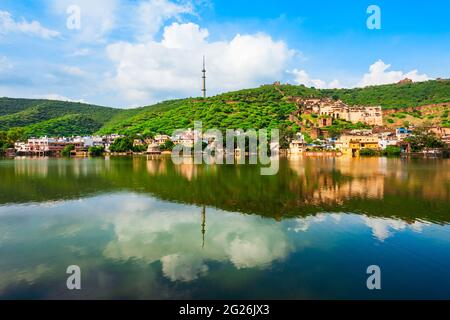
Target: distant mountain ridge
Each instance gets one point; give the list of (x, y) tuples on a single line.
[(268, 106)]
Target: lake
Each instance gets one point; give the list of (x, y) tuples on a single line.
[(144, 228)]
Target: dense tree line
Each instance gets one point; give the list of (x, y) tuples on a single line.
[(8, 138), (422, 139), (395, 95)]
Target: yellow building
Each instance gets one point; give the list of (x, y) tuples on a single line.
[(352, 144)]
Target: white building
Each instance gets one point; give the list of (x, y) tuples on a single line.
[(161, 139), (23, 147), (298, 145), (384, 143)]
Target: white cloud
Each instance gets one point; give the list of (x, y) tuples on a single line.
[(98, 17), (152, 233), (55, 96), (255, 252), (172, 67), (9, 25), (178, 267), (151, 16), (379, 74), (184, 36), (73, 71), (381, 228), (302, 77)]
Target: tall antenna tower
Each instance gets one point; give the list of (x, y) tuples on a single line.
[(204, 78)]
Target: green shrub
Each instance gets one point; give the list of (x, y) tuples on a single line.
[(368, 152), (122, 145), (392, 151), (96, 151), (67, 150), (141, 148), (168, 146)]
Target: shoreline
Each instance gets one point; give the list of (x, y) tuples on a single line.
[(281, 155)]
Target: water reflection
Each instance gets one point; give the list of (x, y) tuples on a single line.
[(412, 189), (105, 234), (385, 228), (172, 237), (149, 229), (139, 229)]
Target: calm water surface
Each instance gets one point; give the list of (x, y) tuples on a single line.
[(144, 228)]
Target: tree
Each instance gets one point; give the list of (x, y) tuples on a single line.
[(167, 146), (147, 134), (141, 148), (67, 150), (3, 142), (15, 134), (422, 139), (96, 151), (286, 136), (122, 145), (392, 151)]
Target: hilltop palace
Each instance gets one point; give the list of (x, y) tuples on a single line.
[(336, 109)]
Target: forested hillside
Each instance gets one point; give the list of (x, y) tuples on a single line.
[(396, 95), (264, 107), (268, 106), (48, 117)]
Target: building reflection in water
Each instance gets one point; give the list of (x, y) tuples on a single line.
[(333, 180), (37, 167), (300, 182), (155, 165)]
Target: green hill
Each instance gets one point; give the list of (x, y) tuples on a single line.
[(396, 95), (268, 106), (10, 105), (129, 117), (69, 125), (48, 117), (253, 108)]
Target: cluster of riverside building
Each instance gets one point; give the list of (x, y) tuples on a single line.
[(317, 114), (350, 143), (53, 146), (354, 141)]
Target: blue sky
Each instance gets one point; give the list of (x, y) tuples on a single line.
[(130, 53)]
